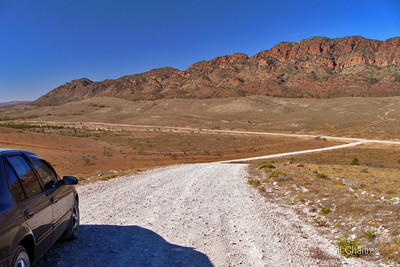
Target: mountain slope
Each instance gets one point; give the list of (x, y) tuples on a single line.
[(317, 67)]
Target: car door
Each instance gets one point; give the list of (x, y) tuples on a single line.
[(61, 196), (35, 204)]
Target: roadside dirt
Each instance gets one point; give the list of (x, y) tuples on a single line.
[(189, 215)]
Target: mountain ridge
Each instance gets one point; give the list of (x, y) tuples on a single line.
[(317, 67)]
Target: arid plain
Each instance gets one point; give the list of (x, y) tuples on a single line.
[(101, 134), (101, 138)]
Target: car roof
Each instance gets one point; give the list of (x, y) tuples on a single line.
[(15, 150)]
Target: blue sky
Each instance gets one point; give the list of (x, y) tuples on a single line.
[(47, 43)]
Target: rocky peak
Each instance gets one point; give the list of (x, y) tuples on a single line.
[(82, 81)]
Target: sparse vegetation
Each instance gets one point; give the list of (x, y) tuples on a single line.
[(329, 203), (322, 176), (369, 234), (373, 182), (354, 162), (254, 182), (276, 174), (80, 178), (349, 248), (325, 210), (320, 222), (266, 166), (108, 177)]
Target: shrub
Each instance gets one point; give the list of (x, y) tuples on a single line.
[(369, 235), (266, 166), (354, 162), (322, 175), (107, 177), (348, 248), (325, 210), (253, 182), (276, 174), (279, 176)]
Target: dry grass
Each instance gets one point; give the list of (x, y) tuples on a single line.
[(376, 118), (364, 209), (314, 182), (86, 149)]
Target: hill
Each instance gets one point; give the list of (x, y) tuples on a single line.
[(13, 103), (317, 67)]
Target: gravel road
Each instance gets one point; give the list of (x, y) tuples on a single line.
[(189, 215)]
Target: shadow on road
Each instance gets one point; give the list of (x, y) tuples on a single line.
[(112, 245)]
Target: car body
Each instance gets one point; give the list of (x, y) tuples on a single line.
[(36, 207)]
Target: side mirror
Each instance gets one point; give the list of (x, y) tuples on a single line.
[(70, 180)]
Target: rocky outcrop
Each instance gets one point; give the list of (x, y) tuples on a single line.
[(317, 67)]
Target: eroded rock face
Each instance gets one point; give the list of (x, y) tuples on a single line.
[(316, 67)]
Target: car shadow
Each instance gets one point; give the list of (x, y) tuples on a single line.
[(113, 245)]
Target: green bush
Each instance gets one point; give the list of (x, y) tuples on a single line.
[(348, 248), (254, 182), (354, 162), (266, 166)]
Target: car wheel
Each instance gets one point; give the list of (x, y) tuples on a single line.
[(73, 227), (20, 258)]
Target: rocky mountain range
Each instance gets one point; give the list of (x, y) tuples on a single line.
[(317, 67)]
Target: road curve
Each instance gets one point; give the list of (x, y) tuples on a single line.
[(297, 152), (188, 215), (345, 139)]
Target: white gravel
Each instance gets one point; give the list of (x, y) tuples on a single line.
[(189, 215)]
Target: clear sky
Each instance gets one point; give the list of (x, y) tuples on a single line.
[(45, 43)]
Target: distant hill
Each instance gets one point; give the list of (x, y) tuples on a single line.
[(317, 67), (13, 103)]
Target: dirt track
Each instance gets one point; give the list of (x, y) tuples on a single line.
[(188, 215)]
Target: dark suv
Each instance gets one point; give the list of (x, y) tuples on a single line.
[(36, 207)]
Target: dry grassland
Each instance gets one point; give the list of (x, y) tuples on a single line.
[(360, 209), (356, 205), (81, 151), (370, 118)]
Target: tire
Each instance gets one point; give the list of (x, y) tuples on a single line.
[(72, 230), (20, 258)]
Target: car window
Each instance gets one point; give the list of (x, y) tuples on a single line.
[(26, 175), (15, 186), (46, 173)]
